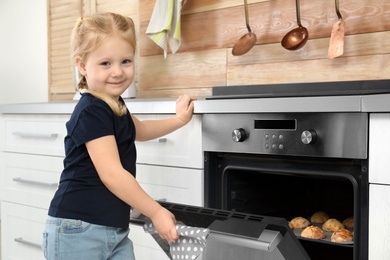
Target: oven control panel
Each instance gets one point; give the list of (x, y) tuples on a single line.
[(339, 135)]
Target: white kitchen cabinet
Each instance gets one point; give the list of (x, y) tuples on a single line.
[(31, 159), (180, 185), (379, 188), (170, 184), (379, 222), (30, 179), (379, 148), (182, 148), (34, 134), (170, 169), (22, 228), (31, 162)]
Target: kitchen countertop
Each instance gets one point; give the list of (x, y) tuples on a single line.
[(357, 103)]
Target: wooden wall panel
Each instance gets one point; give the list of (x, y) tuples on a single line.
[(366, 57), (182, 71), (354, 45), (270, 21), (194, 6), (174, 92), (342, 69), (211, 27), (215, 26)]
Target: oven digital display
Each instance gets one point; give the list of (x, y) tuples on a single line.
[(289, 124)]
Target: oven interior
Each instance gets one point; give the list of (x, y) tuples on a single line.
[(291, 187)]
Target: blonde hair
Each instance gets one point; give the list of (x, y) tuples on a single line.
[(89, 33)]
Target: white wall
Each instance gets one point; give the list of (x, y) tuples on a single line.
[(23, 51)]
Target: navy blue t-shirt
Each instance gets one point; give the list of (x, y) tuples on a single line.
[(81, 194)]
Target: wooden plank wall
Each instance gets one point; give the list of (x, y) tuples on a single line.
[(211, 27)]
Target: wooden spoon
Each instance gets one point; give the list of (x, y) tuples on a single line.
[(248, 40), (336, 44)]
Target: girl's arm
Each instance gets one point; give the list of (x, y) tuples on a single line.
[(105, 157), (152, 129)]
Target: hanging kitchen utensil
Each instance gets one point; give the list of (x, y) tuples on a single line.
[(296, 38), (248, 40), (336, 44)]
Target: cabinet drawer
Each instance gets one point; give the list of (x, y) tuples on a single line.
[(22, 229), (34, 134), (30, 179), (182, 147), (180, 185)]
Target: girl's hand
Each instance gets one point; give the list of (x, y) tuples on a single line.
[(165, 223), (185, 108)]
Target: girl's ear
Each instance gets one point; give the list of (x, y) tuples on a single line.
[(80, 65)]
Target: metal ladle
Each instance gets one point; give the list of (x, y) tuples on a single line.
[(296, 38), (248, 40)]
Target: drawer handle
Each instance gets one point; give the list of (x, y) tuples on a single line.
[(159, 140), (26, 242), (35, 135), (18, 179)]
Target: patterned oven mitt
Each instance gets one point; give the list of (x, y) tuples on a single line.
[(189, 245)]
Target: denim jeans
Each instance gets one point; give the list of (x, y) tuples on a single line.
[(69, 239)]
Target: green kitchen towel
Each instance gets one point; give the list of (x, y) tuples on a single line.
[(164, 26)]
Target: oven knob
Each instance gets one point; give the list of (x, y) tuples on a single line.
[(239, 135), (308, 136)]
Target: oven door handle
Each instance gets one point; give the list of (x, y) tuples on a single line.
[(268, 240)]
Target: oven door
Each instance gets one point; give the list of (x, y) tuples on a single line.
[(234, 235)]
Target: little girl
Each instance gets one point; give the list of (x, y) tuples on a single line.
[(89, 214)]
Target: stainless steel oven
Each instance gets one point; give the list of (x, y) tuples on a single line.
[(264, 169), (285, 165)]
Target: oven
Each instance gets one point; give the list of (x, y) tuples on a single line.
[(261, 170), (287, 165), (264, 167)]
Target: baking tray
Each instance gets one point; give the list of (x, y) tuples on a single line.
[(326, 240)]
